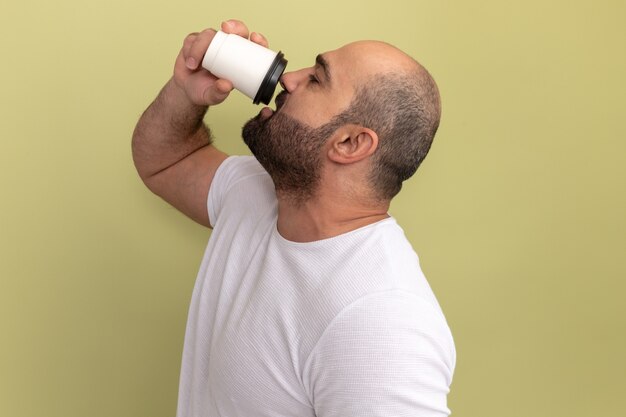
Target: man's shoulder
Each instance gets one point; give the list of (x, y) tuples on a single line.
[(239, 167), (241, 185)]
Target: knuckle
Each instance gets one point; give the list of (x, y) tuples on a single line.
[(189, 39)]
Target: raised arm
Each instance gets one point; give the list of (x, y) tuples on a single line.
[(171, 145)]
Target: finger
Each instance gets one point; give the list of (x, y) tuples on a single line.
[(259, 38), (187, 42), (237, 27), (198, 48)]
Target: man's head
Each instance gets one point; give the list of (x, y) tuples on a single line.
[(365, 113)]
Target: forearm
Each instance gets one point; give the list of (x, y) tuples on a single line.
[(169, 130), (171, 145)]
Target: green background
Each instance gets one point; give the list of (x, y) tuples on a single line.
[(518, 213)]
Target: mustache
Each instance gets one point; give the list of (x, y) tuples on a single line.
[(280, 99)]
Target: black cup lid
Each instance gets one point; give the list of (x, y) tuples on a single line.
[(266, 90)]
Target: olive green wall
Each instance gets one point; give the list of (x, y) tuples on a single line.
[(518, 213)]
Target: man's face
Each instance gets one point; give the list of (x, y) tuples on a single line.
[(289, 141), (318, 93)]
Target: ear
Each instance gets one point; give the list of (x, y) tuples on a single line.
[(352, 143)]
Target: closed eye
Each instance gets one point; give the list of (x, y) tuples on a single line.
[(313, 79)]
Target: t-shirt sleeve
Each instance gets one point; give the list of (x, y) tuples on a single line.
[(233, 176), (388, 354)]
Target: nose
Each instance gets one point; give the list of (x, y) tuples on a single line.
[(291, 80)]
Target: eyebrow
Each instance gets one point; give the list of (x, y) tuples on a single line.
[(321, 61)]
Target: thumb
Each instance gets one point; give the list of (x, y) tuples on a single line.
[(218, 92)]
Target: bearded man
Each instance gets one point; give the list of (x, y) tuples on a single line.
[(309, 301)]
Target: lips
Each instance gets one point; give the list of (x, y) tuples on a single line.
[(267, 112), (280, 99)]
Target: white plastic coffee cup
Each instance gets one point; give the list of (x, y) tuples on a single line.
[(253, 69)]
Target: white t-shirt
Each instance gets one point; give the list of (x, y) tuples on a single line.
[(346, 326)]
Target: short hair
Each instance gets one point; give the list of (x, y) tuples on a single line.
[(404, 110)]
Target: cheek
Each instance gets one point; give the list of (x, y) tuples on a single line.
[(313, 113)]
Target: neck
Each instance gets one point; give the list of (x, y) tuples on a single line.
[(325, 216)]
